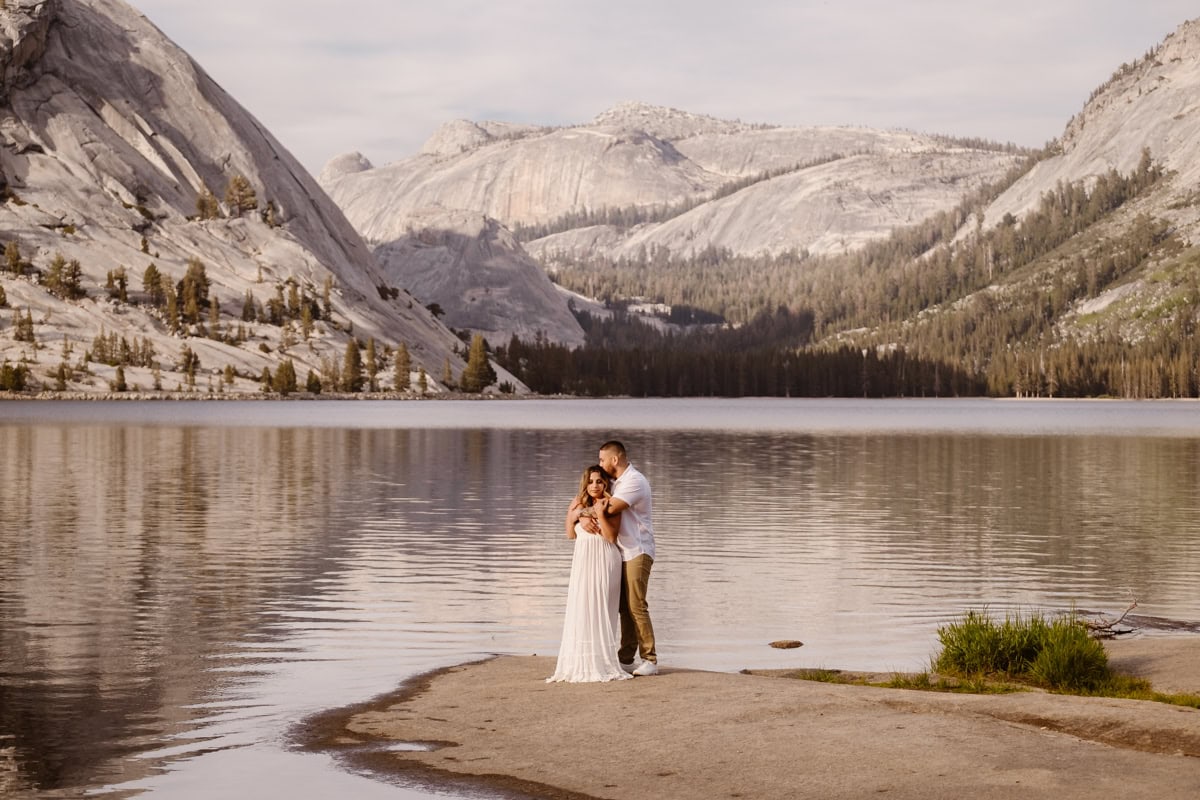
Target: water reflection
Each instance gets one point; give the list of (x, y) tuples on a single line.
[(171, 594)]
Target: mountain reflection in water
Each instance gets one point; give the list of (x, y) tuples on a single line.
[(176, 591)]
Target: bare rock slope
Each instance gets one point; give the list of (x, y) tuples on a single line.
[(480, 277), (814, 188), (109, 134), (1150, 104)]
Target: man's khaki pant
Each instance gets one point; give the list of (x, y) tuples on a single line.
[(637, 633)]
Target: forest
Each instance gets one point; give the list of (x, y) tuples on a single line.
[(927, 312)]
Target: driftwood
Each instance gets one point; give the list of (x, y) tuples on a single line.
[(1103, 628)]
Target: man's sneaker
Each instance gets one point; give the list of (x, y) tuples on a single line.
[(627, 667), (646, 668)]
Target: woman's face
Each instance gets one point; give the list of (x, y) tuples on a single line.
[(596, 486)]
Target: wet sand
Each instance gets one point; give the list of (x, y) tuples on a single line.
[(496, 725)]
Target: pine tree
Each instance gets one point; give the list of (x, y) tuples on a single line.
[(422, 380), (352, 373), (118, 284), (118, 384), (403, 364), (285, 378), (12, 258), (207, 206), (313, 383), (60, 377), (372, 366), (63, 278), (240, 196), (447, 374), (478, 374), (172, 304), (23, 327), (306, 321), (152, 284), (193, 291)]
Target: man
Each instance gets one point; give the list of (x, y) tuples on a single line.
[(631, 499)]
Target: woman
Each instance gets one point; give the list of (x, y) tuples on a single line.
[(591, 631)]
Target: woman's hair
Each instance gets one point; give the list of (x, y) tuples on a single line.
[(583, 498)]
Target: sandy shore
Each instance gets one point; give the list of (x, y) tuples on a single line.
[(689, 734)]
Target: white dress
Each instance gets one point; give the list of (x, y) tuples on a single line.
[(591, 629)]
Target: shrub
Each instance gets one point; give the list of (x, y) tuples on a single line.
[(1070, 660), (1057, 654)]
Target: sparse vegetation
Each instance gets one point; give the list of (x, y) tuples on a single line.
[(980, 655), (240, 196)]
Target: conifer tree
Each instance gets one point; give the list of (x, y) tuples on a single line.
[(63, 278), (479, 373), (372, 365), (240, 196), (118, 284), (189, 362), (118, 384), (403, 364), (352, 373), (12, 258), (207, 206), (3, 298), (422, 380), (23, 327), (306, 321), (313, 383), (285, 378), (193, 291), (152, 284), (447, 374)]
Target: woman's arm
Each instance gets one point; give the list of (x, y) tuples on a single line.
[(610, 522), (573, 517)]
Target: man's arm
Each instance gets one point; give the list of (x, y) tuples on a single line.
[(616, 505)]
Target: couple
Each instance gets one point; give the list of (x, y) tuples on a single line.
[(614, 549)]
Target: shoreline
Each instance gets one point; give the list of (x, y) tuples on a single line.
[(495, 726)]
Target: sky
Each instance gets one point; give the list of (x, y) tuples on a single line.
[(380, 76)]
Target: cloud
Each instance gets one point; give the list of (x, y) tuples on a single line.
[(380, 77)]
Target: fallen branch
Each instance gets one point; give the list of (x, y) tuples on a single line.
[(1105, 628)]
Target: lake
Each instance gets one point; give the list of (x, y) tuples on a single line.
[(182, 582)]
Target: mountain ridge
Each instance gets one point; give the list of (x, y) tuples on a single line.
[(111, 138)]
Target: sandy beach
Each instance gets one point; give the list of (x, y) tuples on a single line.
[(497, 725)]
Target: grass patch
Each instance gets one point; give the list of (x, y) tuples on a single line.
[(981, 655), (1056, 654)]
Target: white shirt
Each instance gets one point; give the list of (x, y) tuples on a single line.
[(637, 529)]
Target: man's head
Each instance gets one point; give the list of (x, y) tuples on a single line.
[(612, 457)]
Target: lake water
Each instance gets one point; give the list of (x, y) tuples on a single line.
[(181, 583)]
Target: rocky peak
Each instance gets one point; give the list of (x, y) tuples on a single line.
[(345, 164), (1148, 104), (663, 122), (117, 151), (24, 25), (477, 273), (456, 136)]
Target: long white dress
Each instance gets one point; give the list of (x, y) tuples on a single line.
[(591, 628)]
